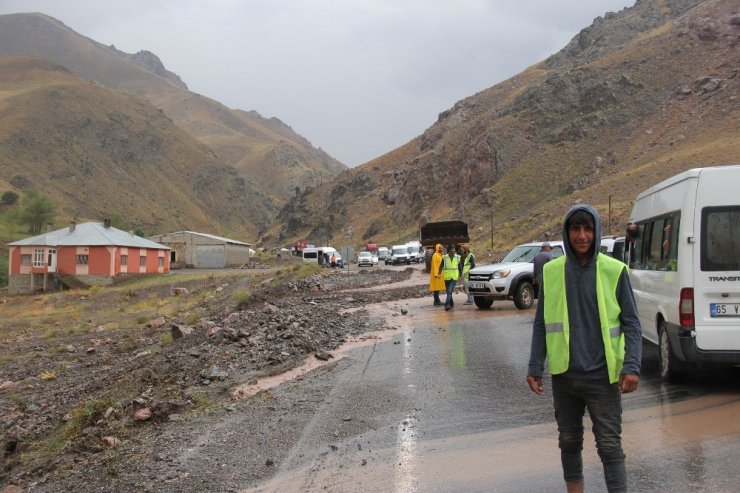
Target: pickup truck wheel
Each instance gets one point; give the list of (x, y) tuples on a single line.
[(524, 296), (483, 302)]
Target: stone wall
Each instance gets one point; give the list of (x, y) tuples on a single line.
[(19, 284)]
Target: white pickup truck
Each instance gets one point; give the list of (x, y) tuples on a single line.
[(510, 279)]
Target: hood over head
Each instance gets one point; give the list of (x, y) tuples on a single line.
[(438, 248), (597, 230)]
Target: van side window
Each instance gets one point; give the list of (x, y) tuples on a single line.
[(638, 259), (656, 244), (655, 250), (720, 238)]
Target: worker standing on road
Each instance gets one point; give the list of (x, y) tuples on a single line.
[(539, 261), (586, 326), (467, 262), (451, 272), (436, 281)]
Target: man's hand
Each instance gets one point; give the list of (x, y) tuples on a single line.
[(628, 382), (535, 384)]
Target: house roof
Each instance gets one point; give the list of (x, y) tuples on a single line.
[(89, 234), (213, 237)]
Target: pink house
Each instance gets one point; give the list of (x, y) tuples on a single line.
[(82, 255)]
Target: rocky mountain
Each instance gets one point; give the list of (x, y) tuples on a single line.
[(266, 153), (634, 98)]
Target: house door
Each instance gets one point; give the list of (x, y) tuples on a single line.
[(52, 260)]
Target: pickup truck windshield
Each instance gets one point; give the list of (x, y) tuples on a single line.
[(522, 254)]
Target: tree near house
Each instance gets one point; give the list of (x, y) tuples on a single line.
[(9, 198), (37, 210)]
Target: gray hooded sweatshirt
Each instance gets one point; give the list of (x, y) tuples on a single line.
[(587, 358)]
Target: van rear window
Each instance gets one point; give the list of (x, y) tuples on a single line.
[(720, 238)]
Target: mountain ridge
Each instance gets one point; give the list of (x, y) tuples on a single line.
[(631, 95), (243, 140)]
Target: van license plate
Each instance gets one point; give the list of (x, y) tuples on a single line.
[(724, 309)]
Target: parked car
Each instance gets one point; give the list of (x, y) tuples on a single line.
[(510, 279), (365, 259)]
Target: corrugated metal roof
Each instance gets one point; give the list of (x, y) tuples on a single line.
[(213, 237), (89, 234)]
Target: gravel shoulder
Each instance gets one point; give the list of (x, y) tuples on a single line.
[(92, 399)]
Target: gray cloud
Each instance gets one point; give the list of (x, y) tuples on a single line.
[(356, 77)]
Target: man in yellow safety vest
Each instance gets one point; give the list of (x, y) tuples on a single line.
[(451, 272), (587, 329)]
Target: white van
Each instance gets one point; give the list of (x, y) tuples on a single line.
[(383, 253), (684, 253), (416, 251), (400, 255), (613, 246), (311, 255)]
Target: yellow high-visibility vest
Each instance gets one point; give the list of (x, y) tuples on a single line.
[(450, 267), (466, 263), (557, 329)]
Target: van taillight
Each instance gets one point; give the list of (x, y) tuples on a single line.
[(686, 307)]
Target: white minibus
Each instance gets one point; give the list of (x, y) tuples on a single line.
[(684, 253), (311, 255)]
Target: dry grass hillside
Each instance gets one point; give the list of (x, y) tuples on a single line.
[(267, 153), (96, 153), (634, 98)]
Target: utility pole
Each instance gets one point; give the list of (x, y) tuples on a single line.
[(491, 230)]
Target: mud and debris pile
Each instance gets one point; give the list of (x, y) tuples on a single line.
[(72, 404)]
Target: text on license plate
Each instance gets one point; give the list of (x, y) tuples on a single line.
[(477, 285), (724, 309)]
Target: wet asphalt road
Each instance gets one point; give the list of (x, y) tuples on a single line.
[(443, 406)]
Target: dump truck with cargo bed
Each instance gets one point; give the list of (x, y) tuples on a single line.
[(444, 233)]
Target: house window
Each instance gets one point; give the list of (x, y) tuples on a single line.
[(26, 259), (161, 261), (142, 261), (82, 259), (38, 257), (124, 260)]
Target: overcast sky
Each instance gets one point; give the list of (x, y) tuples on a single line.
[(357, 78)]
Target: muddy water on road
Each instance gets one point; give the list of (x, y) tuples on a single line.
[(677, 438), (668, 450)]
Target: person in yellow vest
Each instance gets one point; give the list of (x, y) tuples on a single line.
[(467, 262), (436, 280), (587, 329), (450, 270)]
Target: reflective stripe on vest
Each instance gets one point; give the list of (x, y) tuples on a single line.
[(557, 329), (450, 268)]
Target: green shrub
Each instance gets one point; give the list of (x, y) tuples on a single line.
[(239, 297), (85, 415)]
